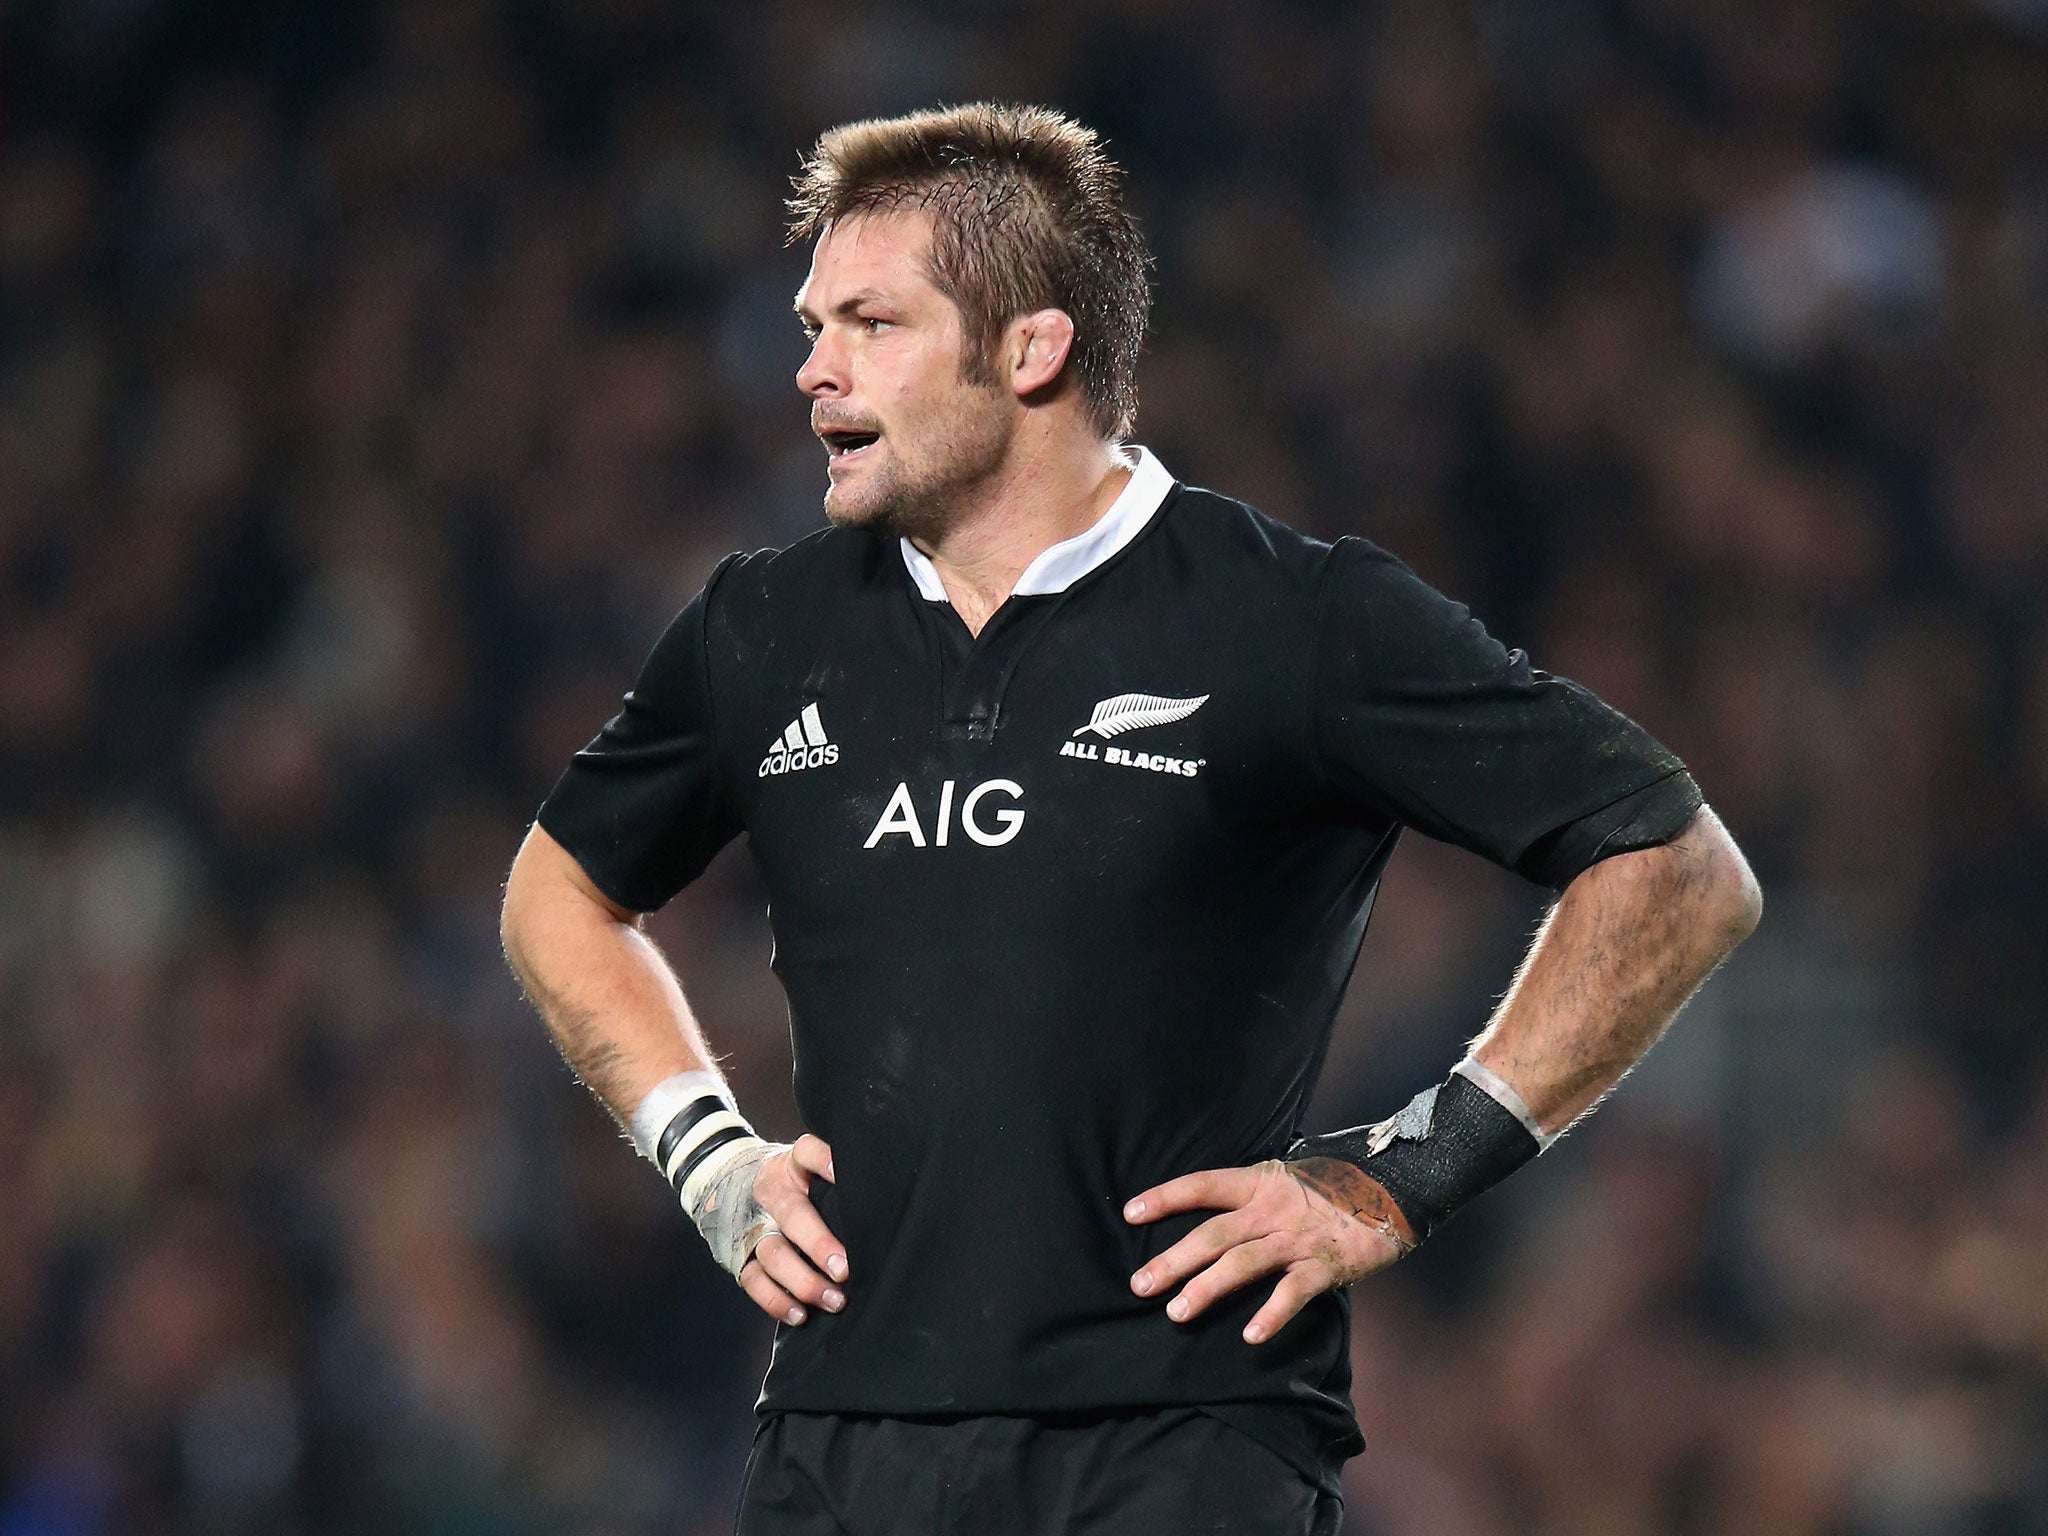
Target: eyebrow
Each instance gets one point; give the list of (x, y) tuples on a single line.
[(845, 309)]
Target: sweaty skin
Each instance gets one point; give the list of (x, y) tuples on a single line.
[(1627, 943), (982, 477)]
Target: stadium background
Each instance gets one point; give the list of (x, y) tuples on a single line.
[(374, 383)]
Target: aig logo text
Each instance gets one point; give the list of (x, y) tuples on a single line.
[(991, 826)]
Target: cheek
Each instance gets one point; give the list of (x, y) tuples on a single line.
[(917, 403), (924, 382)]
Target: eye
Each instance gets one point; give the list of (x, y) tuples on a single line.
[(810, 332), (872, 324)]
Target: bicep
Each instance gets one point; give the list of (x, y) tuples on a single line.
[(545, 870)]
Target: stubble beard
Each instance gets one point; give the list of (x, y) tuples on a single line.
[(926, 503)]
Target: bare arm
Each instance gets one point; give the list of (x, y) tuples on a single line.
[(1627, 943), (618, 1016), (604, 991)]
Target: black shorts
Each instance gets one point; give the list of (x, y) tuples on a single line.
[(1174, 1470)]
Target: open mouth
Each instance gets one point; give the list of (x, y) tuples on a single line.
[(842, 444)]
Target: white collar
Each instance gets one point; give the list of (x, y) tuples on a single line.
[(1066, 562)]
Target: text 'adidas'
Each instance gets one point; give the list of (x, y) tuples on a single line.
[(802, 745)]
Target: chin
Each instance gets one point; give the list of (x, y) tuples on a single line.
[(877, 501), (848, 508), (886, 496)]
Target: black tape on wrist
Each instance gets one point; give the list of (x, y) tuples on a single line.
[(1451, 1143)]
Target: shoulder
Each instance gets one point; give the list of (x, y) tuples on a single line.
[(1352, 585), (1235, 538), (811, 583), (832, 561)]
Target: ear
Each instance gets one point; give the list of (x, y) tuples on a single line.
[(1037, 348)]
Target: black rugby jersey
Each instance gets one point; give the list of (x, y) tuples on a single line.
[(1067, 909)]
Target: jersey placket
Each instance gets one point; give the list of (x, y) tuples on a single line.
[(975, 670)]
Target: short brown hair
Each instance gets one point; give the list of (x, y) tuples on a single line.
[(1027, 213)]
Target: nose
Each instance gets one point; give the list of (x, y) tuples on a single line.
[(823, 375)]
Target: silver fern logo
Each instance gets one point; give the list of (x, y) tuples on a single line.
[(1134, 711)]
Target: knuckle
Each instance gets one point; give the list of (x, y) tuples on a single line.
[(800, 1279), (792, 1266), (798, 1228)]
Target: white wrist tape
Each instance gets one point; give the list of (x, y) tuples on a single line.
[(1497, 1088), (731, 1220), (666, 1099), (689, 1128)]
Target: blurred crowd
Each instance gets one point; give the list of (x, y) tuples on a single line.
[(374, 383)]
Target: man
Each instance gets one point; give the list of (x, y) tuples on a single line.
[(1071, 787)]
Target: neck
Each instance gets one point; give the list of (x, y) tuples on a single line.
[(1037, 500)]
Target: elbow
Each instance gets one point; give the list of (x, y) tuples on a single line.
[(546, 894), (1736, 900), (517, 908), (509, 913), (1709, 886), (1744, 903)]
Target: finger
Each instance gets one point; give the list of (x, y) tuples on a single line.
[(801, 1223), (788, 1269), (1240, 1266), (1203, 1246), (781, 1178), (814, 1156), (768, 1296), (1211, 1189), (1301, 1283)]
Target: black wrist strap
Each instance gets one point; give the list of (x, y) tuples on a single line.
[(1451, 1143)]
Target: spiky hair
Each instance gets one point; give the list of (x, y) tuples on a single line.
[(1027, 214)]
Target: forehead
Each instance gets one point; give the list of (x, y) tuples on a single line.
[(884, 252)]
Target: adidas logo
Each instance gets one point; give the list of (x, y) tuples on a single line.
[(801, 745)]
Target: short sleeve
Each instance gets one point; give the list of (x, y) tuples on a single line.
[(643, 808), (1421, 715)]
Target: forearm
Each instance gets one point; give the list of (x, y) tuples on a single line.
[(1627, 943), (607, 996), (1623, 949), (617, 1014)]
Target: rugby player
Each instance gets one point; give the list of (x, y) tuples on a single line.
[(1071, 787)]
